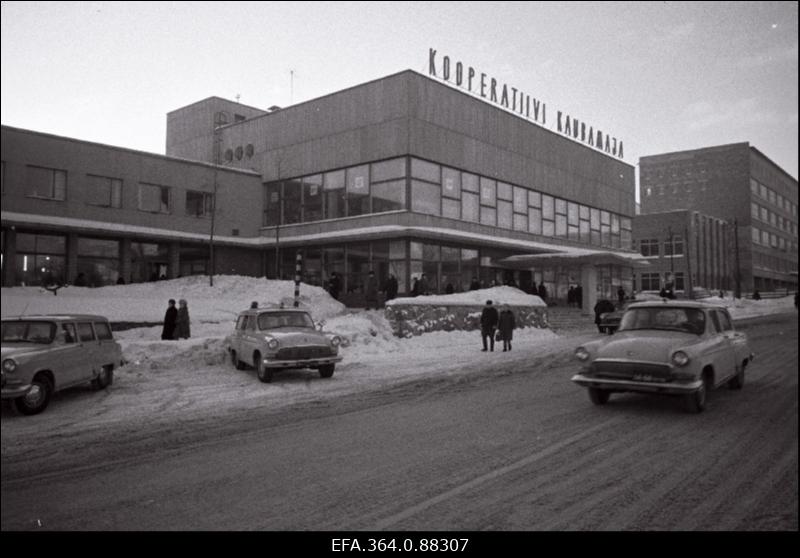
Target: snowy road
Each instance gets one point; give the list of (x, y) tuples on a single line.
[(504, 442)]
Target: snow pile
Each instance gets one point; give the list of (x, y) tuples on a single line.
[(498, 295), (741, 308), (147, 302)]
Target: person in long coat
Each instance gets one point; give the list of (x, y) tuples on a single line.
[(371, 291), (182, 329), (334, 285), (489, 319), (506, 328), (601, 308), (170, 318), (391, 287)]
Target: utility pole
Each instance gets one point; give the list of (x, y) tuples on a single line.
[(738, 276), (671, 256), (688, 262), (216, 148)]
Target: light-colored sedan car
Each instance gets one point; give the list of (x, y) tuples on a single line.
[(275, 339), (670, 347), (45, 354)]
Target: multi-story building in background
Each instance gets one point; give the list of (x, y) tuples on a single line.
[(744, 204)]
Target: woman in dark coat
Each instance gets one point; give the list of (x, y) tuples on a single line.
[(506, 328), (182, 330), (170, 317)]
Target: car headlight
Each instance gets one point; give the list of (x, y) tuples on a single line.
[(680, 358), (9, 365), (335, 341), (581, 354), (272, 344)]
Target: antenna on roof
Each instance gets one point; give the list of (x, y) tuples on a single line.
[(291, 86), (237, 97)]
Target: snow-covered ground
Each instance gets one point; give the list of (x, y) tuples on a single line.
[(191, 374)]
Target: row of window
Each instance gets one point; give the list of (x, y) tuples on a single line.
[(654, 282), (763, 214), (650, 247), (767, 193), (766, 238), (773, 263), (675, 189), (424, 187), (104, 191)]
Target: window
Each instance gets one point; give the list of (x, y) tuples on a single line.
[(154, 198), (425, 171), (648, 247), (388, 170), (451, 208), (389, 196), (504, 191), (333, 190), (650, 282), (425, 197), (104, 191), (358, 190), (272, 204), (535, 221), (292, 201), (470, 207), (520, 200), (103, 331), (85, 331), (451, 183), (676, 248), (504, 214), (312, 198), (46, 183), (754, 213), (488, 192), (199, 204)]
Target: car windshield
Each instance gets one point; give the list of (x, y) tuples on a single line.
[(274, 320), (28, 332), (692, 320)]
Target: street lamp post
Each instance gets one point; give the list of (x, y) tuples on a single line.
[(738, 275)]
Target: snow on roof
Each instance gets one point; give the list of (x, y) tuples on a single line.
[(498, 295)]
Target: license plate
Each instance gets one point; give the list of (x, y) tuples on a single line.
[(646, 378)]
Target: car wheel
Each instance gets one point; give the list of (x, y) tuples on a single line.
[(238, 364), (326, 371), (105, 379), (599, 396), (264, 373), (36, 400), (696, 401), (737, 382)]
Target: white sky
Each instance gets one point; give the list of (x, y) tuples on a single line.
[(660, 76)]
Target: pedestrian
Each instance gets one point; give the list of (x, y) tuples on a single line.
[(80, 280), (371, 291), (170, 318), (601, 308), (506, 327), (334, 285), (424, 288), (449, 289), (663, 292), (579, 296), (474, 285), (120, 280), (570, 296), (391, 287), (182, 324), (542, 291), (489, 319), (756, 295), (254, 305), (621, 296), (415, 287)]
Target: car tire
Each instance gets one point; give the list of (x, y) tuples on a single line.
[(238, 364), (264, 374), (599, 396), (104, 379), (737, 382), (696, 401), (36, 400), (326, 370)]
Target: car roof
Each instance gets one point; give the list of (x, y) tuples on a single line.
[(52, 317), (674, 304), (258, 311)]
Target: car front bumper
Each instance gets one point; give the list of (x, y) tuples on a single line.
[(12, 390), (677, 388), (301, 363)]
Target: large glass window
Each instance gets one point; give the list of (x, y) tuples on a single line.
[(548, 207), (104, 191), (561, 226), (388, 170), (358, 267), (425, 170), (98, 260), (504, 214), (333, 189), (470, 207), (199, 204), (292, 201), (46, 183), (488, 192), (389, 196), (41, 259), (451, 208), (425, 197), (154, 198), (312, 198), (535, 221), (358, 190), (648, 247), (504, 191), (520, 200), (451, 183), (272, 204), (148, 261), (470, 182), (534, 199), (520, 222), (488, 216)]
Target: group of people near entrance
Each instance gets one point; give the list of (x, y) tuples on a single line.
[(496, 325), (176, 321)]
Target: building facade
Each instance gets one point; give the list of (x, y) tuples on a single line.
[(687, 250), (738, 185), (403, 175)]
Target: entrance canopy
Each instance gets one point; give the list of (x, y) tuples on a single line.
[(575, 256)]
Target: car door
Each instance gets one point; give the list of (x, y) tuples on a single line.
[(89, 350), (738, 341), (723, 358), (68, 355), (107, 348), (236, 338), (250, 340)]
